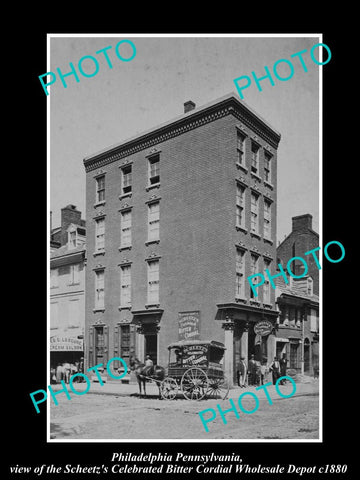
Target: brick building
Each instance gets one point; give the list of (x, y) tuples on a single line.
[(67, 288), (177, 218), (298, 302), (301, 239)]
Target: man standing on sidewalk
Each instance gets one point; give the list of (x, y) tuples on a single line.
[(242, 371)]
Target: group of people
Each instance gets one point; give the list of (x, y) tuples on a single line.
[(256, 372), (65, 370)]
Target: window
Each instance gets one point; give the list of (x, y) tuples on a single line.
[(74, 274), (99, 289), (294, 355), (100, 235), (74, 313), (125, 229), (267, 167), (154, 221), (125, 342), (240, 206), (254, 158), (125, 286), (54, 315), (72, 239), (126, 179), (267, 219), (240, 148), (154, 169), (240, 274), (253, 270), (254, 213), (54, 278), (266, 287), (100, 189), (153, 282)]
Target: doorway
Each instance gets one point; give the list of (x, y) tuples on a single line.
[(306, 355), (150, 346)]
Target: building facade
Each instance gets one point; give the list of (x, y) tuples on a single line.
[(301, 239), (67, 288), (298, 301), (298, 331), (177, 218)]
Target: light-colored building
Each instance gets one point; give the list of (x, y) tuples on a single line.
[(67, 290)]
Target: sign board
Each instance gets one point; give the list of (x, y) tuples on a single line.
[(263, 328), (194, 355), (63, 343), (189, 325)]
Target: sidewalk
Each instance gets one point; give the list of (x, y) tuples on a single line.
[(304, 385)]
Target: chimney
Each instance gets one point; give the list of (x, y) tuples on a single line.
[(188, 106), (69, 214), (302, 222)]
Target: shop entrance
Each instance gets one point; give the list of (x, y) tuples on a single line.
[(150, 346), (306, 355)]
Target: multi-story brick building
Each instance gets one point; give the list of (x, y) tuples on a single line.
[(177, 218), (67, 288)]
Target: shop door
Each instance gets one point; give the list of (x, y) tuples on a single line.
[(151, 346), (306, 356), (99, 345)]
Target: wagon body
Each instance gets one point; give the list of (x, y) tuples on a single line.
[(195, 368)]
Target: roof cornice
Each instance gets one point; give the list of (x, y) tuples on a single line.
[(228, 105)]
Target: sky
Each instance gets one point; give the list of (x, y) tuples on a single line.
[(120, 102)]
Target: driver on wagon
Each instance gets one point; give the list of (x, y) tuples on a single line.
[(149, 366)]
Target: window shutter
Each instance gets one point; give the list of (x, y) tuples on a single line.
[(106, 344), (91, 347), (116, 345)]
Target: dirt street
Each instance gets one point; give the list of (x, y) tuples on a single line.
[(108, 415)]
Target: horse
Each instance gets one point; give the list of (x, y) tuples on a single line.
[(158, 375)]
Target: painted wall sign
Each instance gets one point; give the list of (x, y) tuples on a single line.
[(189, 325)]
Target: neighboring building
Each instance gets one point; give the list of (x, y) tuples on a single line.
[(298, 301), (67, 284), (302, 239), (177, 218), (298, 332)]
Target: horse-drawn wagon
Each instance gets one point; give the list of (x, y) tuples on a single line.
[(195, 370)]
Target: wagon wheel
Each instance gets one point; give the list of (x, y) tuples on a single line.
[(218, 387), (194, 383), (169, 388)]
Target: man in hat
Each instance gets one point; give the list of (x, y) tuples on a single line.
[(241, 373), (252, 370)]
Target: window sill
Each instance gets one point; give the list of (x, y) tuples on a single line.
[(154, 185), (96, 310), (73, 283), (127, 247), (100, 252), (269, 185), (256, 235), (99, 204), (150, 242), (256, 176), (242, 167), (241, 229), (124, 307), (125, 195), (54, 287), (268, 241)]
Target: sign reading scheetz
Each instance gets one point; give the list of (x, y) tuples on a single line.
[(263, 328), (189, 325)]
